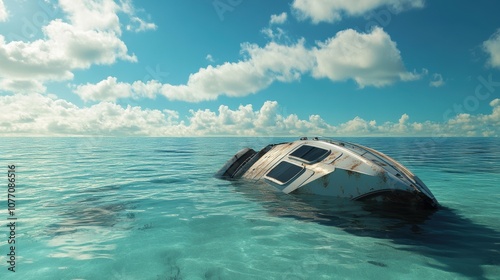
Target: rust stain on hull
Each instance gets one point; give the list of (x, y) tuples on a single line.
[(355, 165)]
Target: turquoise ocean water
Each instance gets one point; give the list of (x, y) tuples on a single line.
[(149, 208)]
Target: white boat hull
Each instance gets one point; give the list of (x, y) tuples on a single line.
[(330, 168)]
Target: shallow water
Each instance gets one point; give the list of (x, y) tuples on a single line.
[(149, 208)]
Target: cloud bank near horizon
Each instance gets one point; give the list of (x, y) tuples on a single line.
[(57, 117)]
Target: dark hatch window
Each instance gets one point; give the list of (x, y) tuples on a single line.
[(284, 172), (309, 153)]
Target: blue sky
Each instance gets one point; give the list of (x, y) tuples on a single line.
[(241, 67)]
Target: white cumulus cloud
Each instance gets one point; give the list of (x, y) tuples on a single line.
[(136, 24), (334, 10), (278, 19), (88, 35), (264, 66), (111, 90), (492, 48), (209, 58), (92, 14), (4, 15), (371, 59), (437, 80)]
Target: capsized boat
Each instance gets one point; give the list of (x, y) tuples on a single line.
[(330, 168)]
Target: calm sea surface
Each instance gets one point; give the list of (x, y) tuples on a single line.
[(149, 208)]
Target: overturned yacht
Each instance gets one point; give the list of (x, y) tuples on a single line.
[(330, 168)]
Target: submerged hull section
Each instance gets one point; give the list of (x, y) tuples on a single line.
[(330, 168)]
